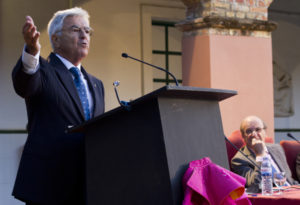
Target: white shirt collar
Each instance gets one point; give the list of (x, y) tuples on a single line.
[(67, 63)]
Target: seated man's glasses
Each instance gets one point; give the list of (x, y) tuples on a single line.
[(251, 130)]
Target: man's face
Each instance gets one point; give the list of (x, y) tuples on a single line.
[(253, 130), (74, 41)]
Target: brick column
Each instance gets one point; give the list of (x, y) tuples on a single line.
[(227, 45)]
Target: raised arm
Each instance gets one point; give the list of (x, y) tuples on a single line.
[(26, 79), (31, 36)]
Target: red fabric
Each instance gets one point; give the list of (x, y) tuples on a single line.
[(237, 139), (289, 197), (291, 149)]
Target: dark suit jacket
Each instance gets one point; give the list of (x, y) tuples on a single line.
[(51, 170), (245, 168)]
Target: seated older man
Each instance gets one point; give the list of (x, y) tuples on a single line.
[(253, 133)]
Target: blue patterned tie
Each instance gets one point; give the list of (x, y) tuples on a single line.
[(81, 92)]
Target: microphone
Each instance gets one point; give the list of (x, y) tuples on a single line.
[(241, 152), (125, 55), (122, 103), (292, 137)]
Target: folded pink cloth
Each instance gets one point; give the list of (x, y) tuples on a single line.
[(207, 183)]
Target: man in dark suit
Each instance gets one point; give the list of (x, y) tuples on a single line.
[(58, 93), (253, 133)]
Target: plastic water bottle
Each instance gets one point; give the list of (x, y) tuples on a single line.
[(266, 177)]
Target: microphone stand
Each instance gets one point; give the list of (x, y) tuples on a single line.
[(125, 55), (124, 104), (241, 152), (292, 137)]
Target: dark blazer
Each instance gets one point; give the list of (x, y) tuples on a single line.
[(51, 169), (245, 168)]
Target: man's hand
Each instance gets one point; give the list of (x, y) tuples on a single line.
[(31, 36), (258, 147)]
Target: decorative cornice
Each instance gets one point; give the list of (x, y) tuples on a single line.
[(226, 23)]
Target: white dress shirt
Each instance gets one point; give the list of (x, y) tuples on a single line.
[(31, 65)]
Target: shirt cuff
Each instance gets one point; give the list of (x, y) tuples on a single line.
[(30, 62)]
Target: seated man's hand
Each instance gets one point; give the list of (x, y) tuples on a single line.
[(258, 147)]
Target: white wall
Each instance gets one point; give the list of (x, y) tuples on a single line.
[(293, 121), (286, 48)]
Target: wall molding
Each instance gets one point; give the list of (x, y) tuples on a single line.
[(13, 131)]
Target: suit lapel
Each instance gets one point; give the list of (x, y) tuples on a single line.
[(276, 156), (250, 155), (279, 159), (67, 80)]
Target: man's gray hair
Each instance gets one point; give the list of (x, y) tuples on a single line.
[(56, 22)]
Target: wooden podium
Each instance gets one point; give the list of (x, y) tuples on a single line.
[(138, 156)]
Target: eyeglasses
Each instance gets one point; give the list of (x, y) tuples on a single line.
[(75, 29), (251, 130)]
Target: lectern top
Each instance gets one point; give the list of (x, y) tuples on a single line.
[(190, 92), (183, 92)]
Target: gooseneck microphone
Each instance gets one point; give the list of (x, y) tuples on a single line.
[(116, 84), (292, 137), (125, 55), (122, 103), (237, 149)]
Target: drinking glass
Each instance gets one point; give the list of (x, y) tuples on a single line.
[(279, 180)]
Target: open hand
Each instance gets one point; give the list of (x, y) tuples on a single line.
[(31, 36)]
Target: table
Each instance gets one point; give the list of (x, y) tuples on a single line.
[(290, 196)]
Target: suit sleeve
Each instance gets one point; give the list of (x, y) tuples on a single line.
[(241, 166), (25, 84)]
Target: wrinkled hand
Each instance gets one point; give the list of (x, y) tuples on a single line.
[(31, 36), (258, 147)]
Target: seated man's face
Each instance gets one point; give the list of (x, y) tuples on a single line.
[(253, 132)]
